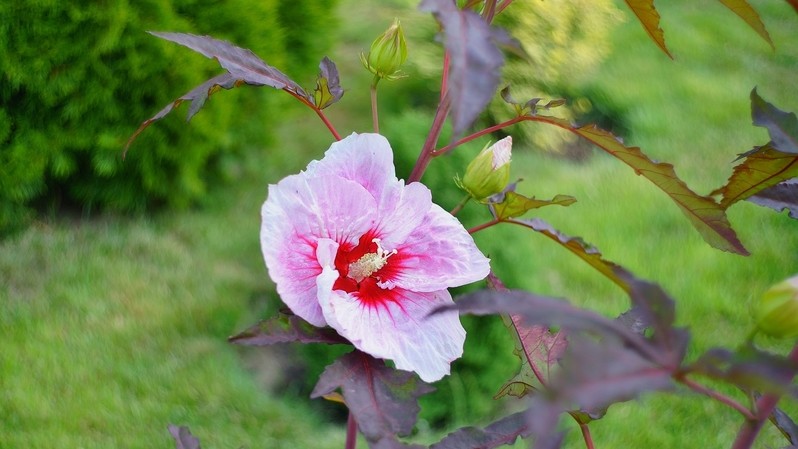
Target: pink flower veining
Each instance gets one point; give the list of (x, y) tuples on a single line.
[(351, 246)]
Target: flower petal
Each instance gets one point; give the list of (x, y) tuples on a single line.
[(401, 212), (439, 254), (366, 159), (299, 211), (401, 330)]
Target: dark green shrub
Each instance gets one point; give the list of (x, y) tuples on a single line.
[(76, 79)]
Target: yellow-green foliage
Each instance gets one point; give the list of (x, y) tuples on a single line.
[(76, 79), (565, 41)]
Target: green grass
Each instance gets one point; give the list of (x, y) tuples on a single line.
[(114, 327)]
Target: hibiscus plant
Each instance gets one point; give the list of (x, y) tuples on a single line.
[(365, 259)]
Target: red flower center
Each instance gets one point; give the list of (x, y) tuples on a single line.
[(363, 267)]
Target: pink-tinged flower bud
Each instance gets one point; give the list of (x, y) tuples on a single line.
[(489, 172), (388, 52), (776, 312)]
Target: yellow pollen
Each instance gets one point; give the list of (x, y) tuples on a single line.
[(369, 263)]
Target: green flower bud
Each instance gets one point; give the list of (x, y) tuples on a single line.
[(388, 52), (489, 172), (776, 312)]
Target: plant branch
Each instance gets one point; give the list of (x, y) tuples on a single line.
[(764, 407), (471, 137), (698, 388), (484, 226), (318, 111), (425, 156), (586, 435), (351, 432)]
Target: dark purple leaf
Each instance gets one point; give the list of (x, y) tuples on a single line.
[(183, 438), (241, 63), (785, 424), (658, 311), (577, 246), (782, 126), (780, 197), (328, 86), (502, 432), (749, 369), (384, 401), (475, 61), (196, 96), (285, 329)]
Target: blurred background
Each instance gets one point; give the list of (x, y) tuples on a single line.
[(120, 280)]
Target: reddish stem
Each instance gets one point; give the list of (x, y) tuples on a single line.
[(374, 112), (318, 111), (695, 386), (466, 139), (351, 432), (425, 156), (445, 76), (764, 407), (586, 435), (484, 225)]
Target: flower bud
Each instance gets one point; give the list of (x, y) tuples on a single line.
[(776, 312), (489, 172), (388, 52)]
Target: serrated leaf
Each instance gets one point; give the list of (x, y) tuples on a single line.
[(748, 368), (384, 401), (785, 424), (183, 437), (540, 350), (760, 169), (197, 96), (746, 12), (779, 197), (521, 108), (576, 245), (502, 432), (649, 18), (475, 61), (286, 329), (512, 204), (328, 86), (782, 126), (241, 63), (706, 215)]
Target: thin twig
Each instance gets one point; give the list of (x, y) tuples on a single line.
[(374, 112), (484, 226), (351, 432), (718, 396)]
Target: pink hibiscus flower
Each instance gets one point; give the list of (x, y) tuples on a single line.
[(351, 246)]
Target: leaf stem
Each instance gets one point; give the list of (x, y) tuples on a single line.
[(374, 112), (318, 111), (716, 395), (471, 137), (484, 225), (351, 432), (327, 123), (586, 435), (764, 407), (460, 205)]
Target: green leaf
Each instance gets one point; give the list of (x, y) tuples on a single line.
[(514, 204), (285, 328), (706, 215), (577, 246), (328, 87), (782, 126), (383, 400), (760, 169), (649, 18), (746, 12)]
